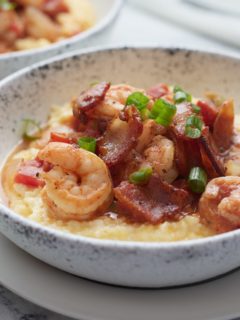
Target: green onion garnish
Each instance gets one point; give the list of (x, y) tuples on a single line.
[(138, 99), (177, 88), (145, 113), (94, 83), (142, 176), (6, 5), (180, 95), (197, 180), (196, 108), (87, 143), (31, 130), (193, 127), (163, 112)]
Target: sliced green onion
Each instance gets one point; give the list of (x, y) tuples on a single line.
[(197, 180), (145, 114), (87, 143), (180, 95), (196, 108), (163, 112), (6, 5), (177, 88), (94, 83), (193, 127), (31, 130), (138, 99), (142, 176)]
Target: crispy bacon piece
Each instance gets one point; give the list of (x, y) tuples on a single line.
[(155, 202), (186, 149), (158, 91), (120, 137), (189, 152), (223, 126), (210, 157), (90, 98), (132, 162), (208, 111)]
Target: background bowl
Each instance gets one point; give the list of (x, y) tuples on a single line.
[(106, 12), (30, 93)]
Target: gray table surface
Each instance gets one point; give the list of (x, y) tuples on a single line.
[(132, 26)]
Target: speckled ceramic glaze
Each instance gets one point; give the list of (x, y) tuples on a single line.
[(31, 92), (106, 12)]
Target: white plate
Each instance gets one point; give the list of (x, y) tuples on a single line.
[(106, 14), (83, 299)]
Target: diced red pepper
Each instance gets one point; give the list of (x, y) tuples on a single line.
[(28, 174), (157, 91), (60, 137), (29, 181), (208, 111)]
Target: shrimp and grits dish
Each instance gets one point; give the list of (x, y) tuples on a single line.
[(127, 163), (29, 24)]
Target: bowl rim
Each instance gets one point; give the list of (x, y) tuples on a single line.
[(69, 237), (95, 29)]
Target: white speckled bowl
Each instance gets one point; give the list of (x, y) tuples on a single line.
[(106, 13), (30, 93)]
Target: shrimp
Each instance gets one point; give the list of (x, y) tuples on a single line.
[(232, 159), (39, 25), (232, 164), (160, 155), (150, 129), (78, 187), (11, 27), (121, 92), (219, 206), (114, 101)]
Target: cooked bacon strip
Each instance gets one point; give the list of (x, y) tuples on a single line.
[(210, 158), (120, 137), (208, 111), (223, 126), (158, 91), (155, 202), (189, 152), (90, 98)]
